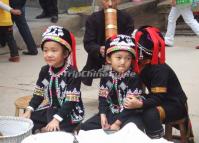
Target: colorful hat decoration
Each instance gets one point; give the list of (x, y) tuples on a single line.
[(120, 43), (150, 42), (63, 37)]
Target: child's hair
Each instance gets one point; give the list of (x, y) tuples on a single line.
[(62, 36), (150, 45), (120, 43)]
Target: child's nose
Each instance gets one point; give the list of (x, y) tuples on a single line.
[(123, 61), (49, 54)]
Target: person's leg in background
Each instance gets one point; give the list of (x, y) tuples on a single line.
[(172, 18), (45, 13), (25, 33), (2, 39), (14, 55), (189, 19), (53, 10)]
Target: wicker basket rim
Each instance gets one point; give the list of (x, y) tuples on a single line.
[(17, 119)]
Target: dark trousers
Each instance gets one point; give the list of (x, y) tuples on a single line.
[(25, 31), (153, 125), (95, 121), (175, 111), (49, 7), (7, 32), (43, 117)]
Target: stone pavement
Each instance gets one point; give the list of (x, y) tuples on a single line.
[(18, 79)]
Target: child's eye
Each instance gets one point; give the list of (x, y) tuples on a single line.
[(129, 58), (118, 57), (54, 50)]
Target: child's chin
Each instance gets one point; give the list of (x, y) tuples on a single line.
[(51, 64), (121, 71)]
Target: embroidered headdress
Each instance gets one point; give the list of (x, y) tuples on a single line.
[(120, 43), (63, 37), (150, 44)]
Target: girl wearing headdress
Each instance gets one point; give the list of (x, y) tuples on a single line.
[(57, 85)]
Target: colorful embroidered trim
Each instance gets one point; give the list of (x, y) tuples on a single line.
[(57, 88), (72, 97), (38, 91), (159, 90), (119, 48), (103, 92), (59, 40)]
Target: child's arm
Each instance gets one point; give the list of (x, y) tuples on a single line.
[(103, 104), (38, 95), (134, 91), (9, 9)]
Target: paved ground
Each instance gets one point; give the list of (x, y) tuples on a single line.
[(18, 79)]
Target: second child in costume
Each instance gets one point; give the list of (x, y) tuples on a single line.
[(64, 109), (119, 83), (165, 91)]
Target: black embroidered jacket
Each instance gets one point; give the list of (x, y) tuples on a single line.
[(61, 90), (114, 89)]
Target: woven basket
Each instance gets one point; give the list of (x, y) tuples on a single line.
[(14, 129)]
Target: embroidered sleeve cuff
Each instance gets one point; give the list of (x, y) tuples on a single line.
[(58, 117), (30, 108)]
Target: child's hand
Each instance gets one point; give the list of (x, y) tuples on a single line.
[(131, 102), (116, 125), (15, 11), (53, 125), (104, 122), (27, 114)]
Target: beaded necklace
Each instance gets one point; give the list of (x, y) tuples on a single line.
[(55, 77), (115, 77)]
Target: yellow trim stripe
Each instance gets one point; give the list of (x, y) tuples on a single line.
[(39, 91), (159, 90)]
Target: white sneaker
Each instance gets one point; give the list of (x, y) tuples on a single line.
[(168, 44)]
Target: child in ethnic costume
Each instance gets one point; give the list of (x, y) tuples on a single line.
[(165, 91), (64, 110), (120, 82)]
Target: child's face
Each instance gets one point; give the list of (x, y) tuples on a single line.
[(110, 3), (53, 54), (120, 61)]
